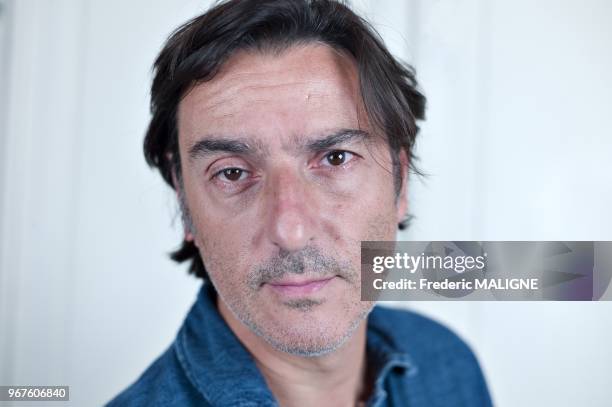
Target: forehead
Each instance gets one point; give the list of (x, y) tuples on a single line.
[(303, 89)]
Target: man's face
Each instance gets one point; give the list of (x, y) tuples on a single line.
[(283, 178)]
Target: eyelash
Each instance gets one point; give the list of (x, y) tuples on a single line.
[(349, 157)]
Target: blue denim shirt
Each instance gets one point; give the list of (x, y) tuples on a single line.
[(417, 362)]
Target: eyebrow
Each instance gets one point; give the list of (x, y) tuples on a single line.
[(342, 136), (210, 145)]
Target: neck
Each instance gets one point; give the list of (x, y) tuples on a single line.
[(335, 379)]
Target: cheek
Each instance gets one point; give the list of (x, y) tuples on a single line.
[(381, 226), (224, 256), (369, 214), (363, 218)]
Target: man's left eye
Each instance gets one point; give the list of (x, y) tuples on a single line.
[(337, 157)]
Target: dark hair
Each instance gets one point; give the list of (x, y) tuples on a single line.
[(196, 51)]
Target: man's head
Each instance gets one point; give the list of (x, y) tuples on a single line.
[(287, 130)]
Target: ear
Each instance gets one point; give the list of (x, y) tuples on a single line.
[(402, 199), (188, 236)]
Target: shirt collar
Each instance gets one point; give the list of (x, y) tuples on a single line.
[(215, 361), (217, 364), (385, 354)]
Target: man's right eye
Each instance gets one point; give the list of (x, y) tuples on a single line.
[(232, 174)]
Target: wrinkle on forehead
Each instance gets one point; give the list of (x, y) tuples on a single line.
[(268, 77), (222, 102)]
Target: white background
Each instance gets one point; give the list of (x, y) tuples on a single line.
[(517, 143)]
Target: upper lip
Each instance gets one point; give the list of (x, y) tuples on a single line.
[(299, 282)]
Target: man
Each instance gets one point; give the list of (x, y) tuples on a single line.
[(286, 129)]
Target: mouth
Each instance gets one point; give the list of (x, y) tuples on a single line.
[(296, 288)]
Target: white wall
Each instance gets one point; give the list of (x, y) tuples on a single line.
[(516, 144)]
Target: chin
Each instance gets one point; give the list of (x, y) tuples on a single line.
[(313, 333), (307, 342)]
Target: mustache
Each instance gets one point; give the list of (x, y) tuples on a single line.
[(309, 260)]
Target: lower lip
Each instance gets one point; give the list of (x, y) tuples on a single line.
[(301, 289)]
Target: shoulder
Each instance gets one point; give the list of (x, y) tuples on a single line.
[(164, 383)]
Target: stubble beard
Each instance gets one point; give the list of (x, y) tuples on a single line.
[(308, 336)]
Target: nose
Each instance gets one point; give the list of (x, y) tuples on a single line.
[(289, 209)]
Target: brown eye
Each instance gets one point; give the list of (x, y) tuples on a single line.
[(232, 174), (336, 157)]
